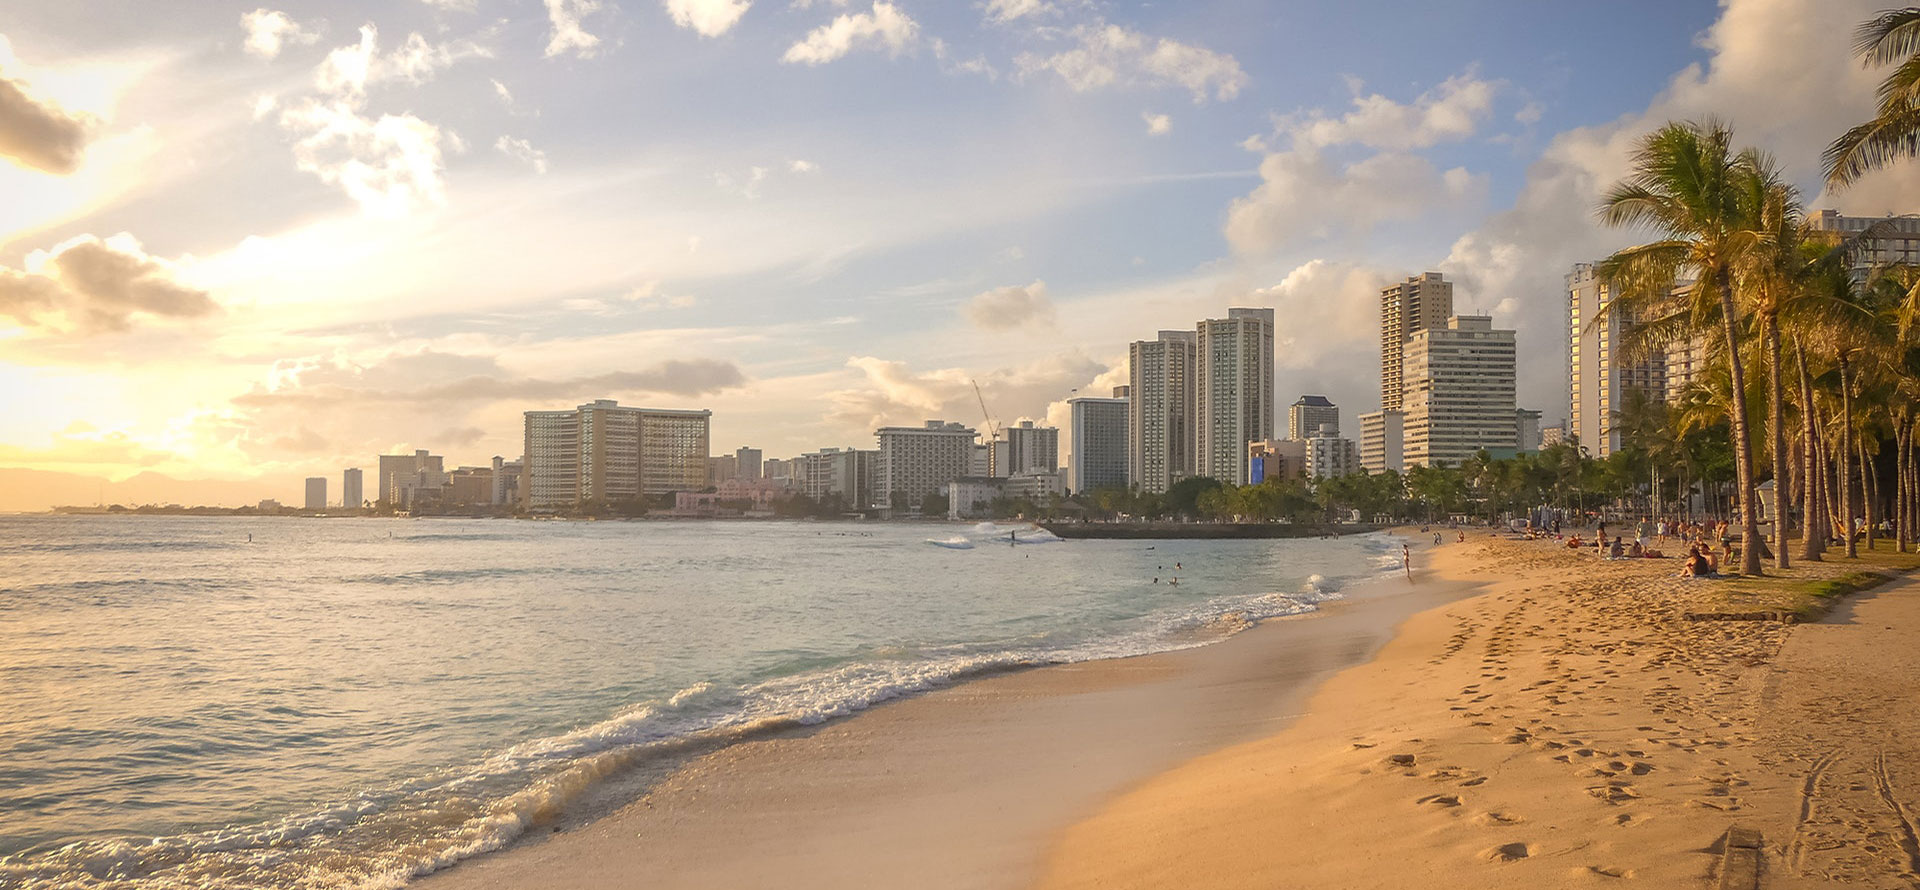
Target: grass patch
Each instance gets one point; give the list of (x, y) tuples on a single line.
[(1801, 594)]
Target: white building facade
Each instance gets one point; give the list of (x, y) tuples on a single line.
[(1233, 388), (914, 462), (1160, 410), (1460, 392), (1099, 442)]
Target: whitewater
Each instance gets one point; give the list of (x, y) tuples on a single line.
[(352, 703)]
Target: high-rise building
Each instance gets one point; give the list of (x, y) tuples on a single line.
[(1421, 302), (1460, 392), (1099, 443), (1276, 459), (1383, 437), (1031, 449), (316, 492), (405, 477), (470, 487), (846, 474), (914, 462), (1527, 429), (602, 452), (1897, 240), (1600, 374), (1160, 412), (506, 481), (1233, 391), (989, 459), (350, 496), (1552, 435), (723, 468), (746, 462), (1308, 414), (1328, 455)]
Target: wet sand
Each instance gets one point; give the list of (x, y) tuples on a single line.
[(964, 787)]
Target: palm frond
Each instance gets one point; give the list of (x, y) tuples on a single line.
[(1889, 37), (1892, 136)]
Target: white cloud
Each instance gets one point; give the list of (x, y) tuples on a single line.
[(417, 60), (710, 18), (568, 34), (803, 166), (1518, 258), (89, 284), (886, 27), (268, 30), (522, 150), (1306, 194), (391, 165), (1108, 55), (1012, 307), (500, 89), (890, 392), (451, 5), (1447, 113), (38, 133), (1008, 10), (1157, 124)]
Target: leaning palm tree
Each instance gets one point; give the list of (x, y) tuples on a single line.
[(1893, 38), (1688, 183)]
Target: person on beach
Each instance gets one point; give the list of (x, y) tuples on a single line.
[(1615, 551), (1698, 564), (1406, 560)]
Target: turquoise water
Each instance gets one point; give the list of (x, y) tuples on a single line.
[(352, 702)]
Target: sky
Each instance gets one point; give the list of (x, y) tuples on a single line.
[(243, 242)]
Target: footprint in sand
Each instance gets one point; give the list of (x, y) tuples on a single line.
[(1513, 852), (1498, 818), (1439, 800), (1606, 871)]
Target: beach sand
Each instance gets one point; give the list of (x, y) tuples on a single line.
[(1540, 718), (963, 787), (1568, 727)]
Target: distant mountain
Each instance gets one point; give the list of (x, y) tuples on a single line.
[(25, 490)]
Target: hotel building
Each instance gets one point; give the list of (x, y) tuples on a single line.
[(1460, 392), (1383, 436), (1160, 414), (1099, 443), (1421, 302), (602, 452), (1308, 414), (914, 462), (1233, 389)]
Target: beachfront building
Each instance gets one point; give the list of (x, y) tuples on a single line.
[(1421, 302), (1383, 437), (782, 472), (1308, 414), (1460, 392), (914, 462), (407, 478), (606, 453), (842, 473), (506, 481), (1895, 241), (1600, 375), (1233, 391), (972, 497), (1526, 429), (1160, 411), (1098, 439), (989, 459), (316, 492), (747, 462), (722, 468), (1031, 449), (1552, 435), (1276, 459), (1329, 456), (350, 482), (469, 487)]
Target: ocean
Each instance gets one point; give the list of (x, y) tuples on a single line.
[(350, 703)]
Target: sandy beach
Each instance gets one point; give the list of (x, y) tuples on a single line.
[(1522, 717)]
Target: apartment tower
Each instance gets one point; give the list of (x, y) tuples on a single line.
[(1098, 442), (1600, 378), (1160, 412), (1421, 302), (1460, 392), (603, 452), (1308, 414), (1233, 388)]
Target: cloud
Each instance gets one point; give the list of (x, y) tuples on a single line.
[(1307, 194), (1007, 308), (347, 71), (568, 35), (1157, 124), (1109, 55), (886, 27), (710, 18), (1008, 10), (391, 165), (89, 284), (522, 150), (441, 378), (1448, 113), (270, 29), (1331, 312), (35, 132), (803, 166), (451, 5), (1515, 263)]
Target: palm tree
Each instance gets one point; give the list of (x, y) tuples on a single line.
[(1894, 131), (1687, 183), (1772, 273)]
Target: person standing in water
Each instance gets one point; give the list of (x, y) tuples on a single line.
[(1406, 561)]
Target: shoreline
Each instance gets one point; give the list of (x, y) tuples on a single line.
[(962, 786)]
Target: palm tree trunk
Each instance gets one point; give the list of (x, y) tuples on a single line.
[(1900, 530), (1869, 490), (1776, 408), (1742, 439), (1813, 528), (1846, 458)]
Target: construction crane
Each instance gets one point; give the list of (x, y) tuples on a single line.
[(993, 429)]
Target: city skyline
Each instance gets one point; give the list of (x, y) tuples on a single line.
[(775, 274)]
